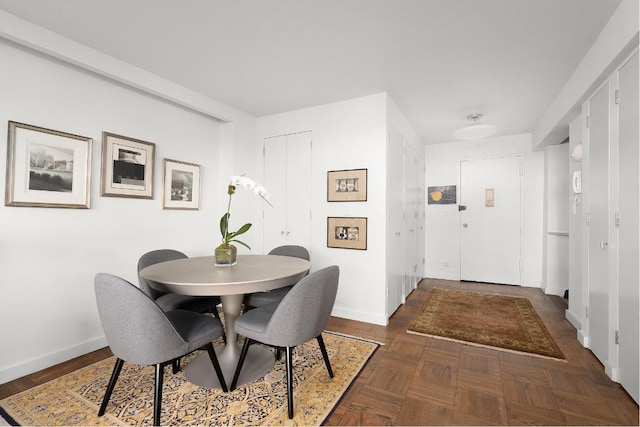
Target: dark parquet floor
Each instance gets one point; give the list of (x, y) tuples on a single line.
[(416, 380)]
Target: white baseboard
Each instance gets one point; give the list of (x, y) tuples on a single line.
[(611, 371), (375, 318), (573, 319), (551, 290), (583, 339), (34, 365)]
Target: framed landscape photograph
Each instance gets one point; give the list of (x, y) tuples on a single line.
[(127, 167), (47, 168), (181, 185), (347, 232), (347, 185)]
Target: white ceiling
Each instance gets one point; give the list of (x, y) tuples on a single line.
[(440, 60)]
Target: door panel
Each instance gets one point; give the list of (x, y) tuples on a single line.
[(395, 263), (490, 226), (410, 220), (629, 229), (598, 263), (287, 176), (275, 181), (298, 194)]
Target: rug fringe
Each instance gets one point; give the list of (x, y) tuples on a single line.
[(354, 337), (474, 344)]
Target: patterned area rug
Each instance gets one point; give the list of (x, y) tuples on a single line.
[(74, 399), (503, 322)]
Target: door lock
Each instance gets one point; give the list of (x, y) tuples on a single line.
[(464, 225), (603, 245)]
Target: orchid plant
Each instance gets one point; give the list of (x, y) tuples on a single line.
[(248, 184)]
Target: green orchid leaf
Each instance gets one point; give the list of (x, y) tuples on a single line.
[(240, 231), (242, 243), (224, 224)]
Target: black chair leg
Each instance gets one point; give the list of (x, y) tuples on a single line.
[(243, 355), (176, 365), (157, 395), (278, 353), (216, 314), (216, 366), (289, 356), (112, 383), (325, 356)]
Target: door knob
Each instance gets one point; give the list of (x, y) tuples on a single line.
[(464, 225)]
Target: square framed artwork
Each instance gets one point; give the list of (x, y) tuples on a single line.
[(347, 232), (347, 185), (442, 195), (47, 168), (181, 185), (127, 167)]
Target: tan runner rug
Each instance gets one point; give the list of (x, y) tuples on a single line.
[(74, 399), (503, 322)]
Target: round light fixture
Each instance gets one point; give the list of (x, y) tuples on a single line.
[(475, 130)]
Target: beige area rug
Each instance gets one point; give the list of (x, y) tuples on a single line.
[(503, 322), (74, 399)]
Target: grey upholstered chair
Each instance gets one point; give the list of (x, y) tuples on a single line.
[(169, 301), (300, 316), (139, 331), (259, 299)]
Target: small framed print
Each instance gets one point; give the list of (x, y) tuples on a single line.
[(441, 195), (127, 167), (47, 168), (181, 185), (347, 185), (347, 233)]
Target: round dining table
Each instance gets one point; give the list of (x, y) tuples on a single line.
[(200, 276)]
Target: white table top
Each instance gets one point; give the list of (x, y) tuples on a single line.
[(199, 276)]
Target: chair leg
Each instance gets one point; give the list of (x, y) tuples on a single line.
[(289, 361), (243, 355), (216, 366), (112, 383), (175, 363), (157, 395), (278, 353), (325, 356)]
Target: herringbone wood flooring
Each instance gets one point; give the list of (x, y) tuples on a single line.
[(415, 380)]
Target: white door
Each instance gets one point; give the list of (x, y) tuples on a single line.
[(598, 212), (410, 220), (394, 261), (298, 190), (629, 229), (287, 176), (275, 181), (491, 220)]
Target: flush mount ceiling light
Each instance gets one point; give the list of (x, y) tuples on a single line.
[(475, 130)]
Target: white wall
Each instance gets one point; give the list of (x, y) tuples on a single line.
[(346, 135), (49, 256), (442, 224)]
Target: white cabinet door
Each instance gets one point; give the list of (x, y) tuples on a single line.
[(299, 190), (629, 229), (598, 234), (287, 176), (275, 181)]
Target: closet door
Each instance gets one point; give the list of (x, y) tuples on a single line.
[(287, 176), (598, 214), (298, 168), (629, 230), (275, 181)]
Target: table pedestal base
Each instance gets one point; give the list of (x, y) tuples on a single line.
[(258, 363)]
